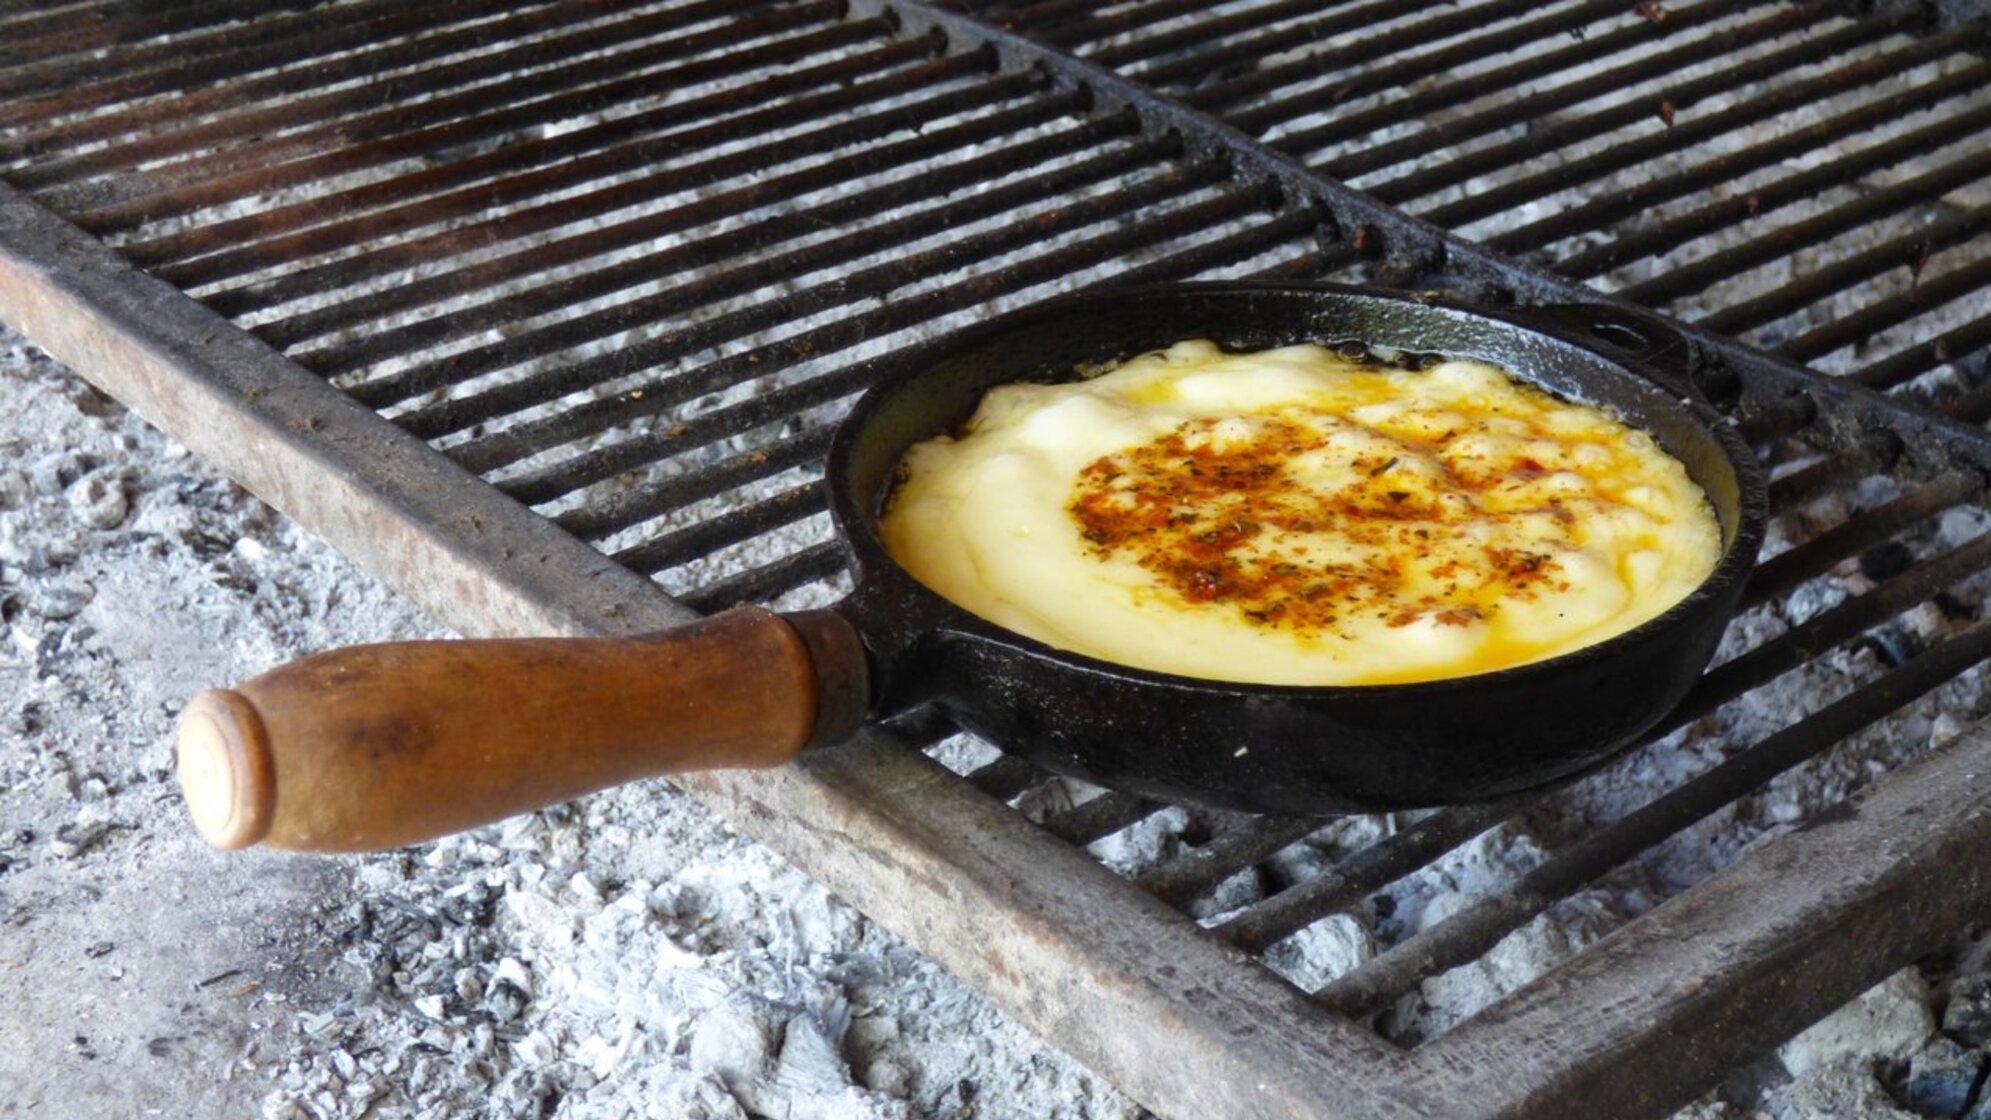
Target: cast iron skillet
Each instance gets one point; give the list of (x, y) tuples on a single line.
[(381, 745)]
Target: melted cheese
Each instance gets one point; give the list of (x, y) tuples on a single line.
[(1296, 517)]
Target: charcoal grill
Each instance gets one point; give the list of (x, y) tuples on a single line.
[(542, 310)]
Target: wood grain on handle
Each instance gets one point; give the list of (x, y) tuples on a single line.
[(378, 746)]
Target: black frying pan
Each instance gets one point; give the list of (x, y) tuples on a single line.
[(384, 744)]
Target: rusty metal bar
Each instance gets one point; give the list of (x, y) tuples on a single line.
[(1081, 35), (1470, 932), (1006, 777), (1099, 818), (1363, 873), (1815, 557), (520, 173), (861, 242), (1673, 232), (639, 504), (1608, 207), (351, 144), (1685, 130), (769, 581), (886, 275), (1924, 296), (771, 230), (721, 530), (1402, 72), (1230, 91), (1830, 472), (62, 88), (1913, 361), (384, 105), (1329, 19), (1834, 625), (1198, 870), (59, 34), (508, 446), (1747, 958), (1901, 252)]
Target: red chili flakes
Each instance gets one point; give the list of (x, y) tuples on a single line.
[(1214, 521), (1519, 568)]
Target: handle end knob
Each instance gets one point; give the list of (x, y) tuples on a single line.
[(226, 771)]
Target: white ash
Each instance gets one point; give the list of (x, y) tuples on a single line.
[(562, 964), (1891, 1021)]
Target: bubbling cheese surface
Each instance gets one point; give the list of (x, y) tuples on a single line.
[(1296, 517)]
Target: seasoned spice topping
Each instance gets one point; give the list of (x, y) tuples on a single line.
[(1301, 516), (1220, 510)]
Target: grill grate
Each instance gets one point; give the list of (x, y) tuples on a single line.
[(628, 260)]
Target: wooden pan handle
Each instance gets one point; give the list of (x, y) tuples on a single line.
[(378, 746)]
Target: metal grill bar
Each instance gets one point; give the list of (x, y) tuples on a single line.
[(769, 581), (1541, 184), (1045, 13), (1946, 231), (1817, 556), (1674, 232), (1870, 320), (1129, 18), (1401, 72), (1914, 360), (1098, 818), (256, 126), (1825, 475), (1201, 869), (1290, 911), (844, 250), (779, 227), (1619, 204), (60, 88), (1534, 106), (531, 438), (61, 34), (1836, 625), (631, 507), (1469, 933), (1362, 874), (461, 412), (731, 527), (1006, 777), (1331, 20), (364, 142), (528, 175), (1393, 41)]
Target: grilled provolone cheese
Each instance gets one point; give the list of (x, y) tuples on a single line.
[(1297, 517)]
